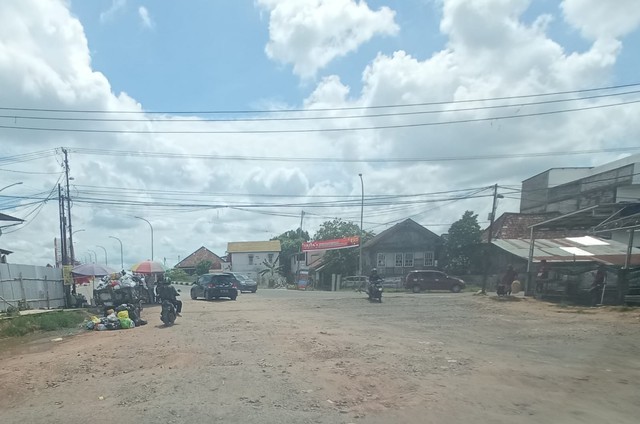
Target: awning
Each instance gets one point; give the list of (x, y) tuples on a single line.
[(571, 249), (5, 217)]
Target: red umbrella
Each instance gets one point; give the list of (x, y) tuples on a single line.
[(148, 267)]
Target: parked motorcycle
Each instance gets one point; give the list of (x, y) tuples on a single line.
[(375, 290), (168, 313)]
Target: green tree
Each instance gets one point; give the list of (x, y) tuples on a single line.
[(461, 244), (342, 261), (290, 244), (177, 274), (203, 267)]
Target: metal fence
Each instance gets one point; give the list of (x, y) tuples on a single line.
[(33, 287)]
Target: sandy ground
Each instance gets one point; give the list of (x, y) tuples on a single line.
[(294, 357)]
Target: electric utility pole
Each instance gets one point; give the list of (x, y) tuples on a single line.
[(487, 258), (63, 227), (72, 260), (295, 278)]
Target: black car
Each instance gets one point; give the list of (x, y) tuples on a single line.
[(245, 284), (417, 281), (215, 286)]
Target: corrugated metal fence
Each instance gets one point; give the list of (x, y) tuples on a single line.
[(34, 286)]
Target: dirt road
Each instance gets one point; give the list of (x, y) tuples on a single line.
[(317, 357)]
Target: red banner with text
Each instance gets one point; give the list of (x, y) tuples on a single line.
[(341, 243)]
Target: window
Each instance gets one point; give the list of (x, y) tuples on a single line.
[(408, 259), (418, 258), (381, 260), (270, 256), (250, 259), (428, 259), (399, 260)]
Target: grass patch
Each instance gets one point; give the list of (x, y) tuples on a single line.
[(48, 321), (506, 298), (472, 288), (625, 309)]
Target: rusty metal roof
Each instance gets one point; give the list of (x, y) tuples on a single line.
[(571, 249)]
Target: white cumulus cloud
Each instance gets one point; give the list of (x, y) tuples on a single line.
[(309, 34), (116, 7), (597, 19), (145, 17)]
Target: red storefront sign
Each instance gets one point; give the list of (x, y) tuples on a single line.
[(341, 243)]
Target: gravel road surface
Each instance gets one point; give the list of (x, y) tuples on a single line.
[(281, 356)]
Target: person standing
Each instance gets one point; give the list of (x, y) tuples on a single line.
[(597, 287), (542, 276), (509, 277)]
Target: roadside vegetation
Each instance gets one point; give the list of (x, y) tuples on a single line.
[(48, 321)]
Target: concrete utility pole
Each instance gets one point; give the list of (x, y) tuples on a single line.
[(63, 227), (487, 259), (66, 171), (361, 223)]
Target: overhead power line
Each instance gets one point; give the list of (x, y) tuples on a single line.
[(435, 103), (168, 155), (16, 118), (318, 130)]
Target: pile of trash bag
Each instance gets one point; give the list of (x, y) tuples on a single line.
[(121, 279), (123, 317)]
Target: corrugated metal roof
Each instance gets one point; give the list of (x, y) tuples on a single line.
[(559, 250), (253, 246), (5, 217)]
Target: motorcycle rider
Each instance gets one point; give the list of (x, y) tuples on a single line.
[(374, 278), (167, 292)]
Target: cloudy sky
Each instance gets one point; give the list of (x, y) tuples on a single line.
[(222, 121)]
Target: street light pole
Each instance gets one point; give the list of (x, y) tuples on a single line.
[(361, 223), (121, 251), (11, 185), (150, 226), (95, 255), (106, 262)]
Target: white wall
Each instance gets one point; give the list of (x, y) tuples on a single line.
[(240, 263), (558, 176), (628, 193)]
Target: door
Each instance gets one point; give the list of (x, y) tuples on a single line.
[(198, 289), (439, 281)]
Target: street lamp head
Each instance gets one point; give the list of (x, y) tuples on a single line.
[(11, 185)]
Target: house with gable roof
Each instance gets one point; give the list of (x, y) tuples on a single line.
[(405, 247), (190, 263)]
